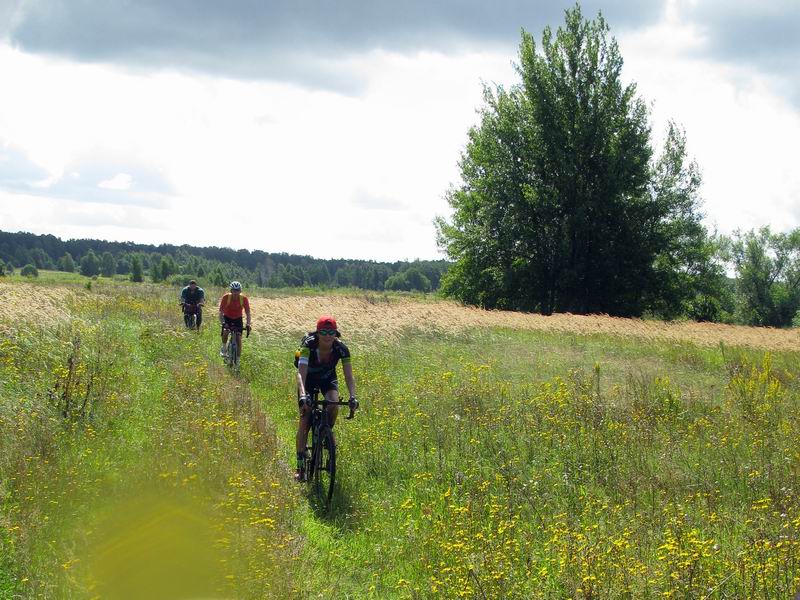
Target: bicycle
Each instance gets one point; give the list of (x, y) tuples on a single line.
[(320, 464), (233, 350), (191, 315)]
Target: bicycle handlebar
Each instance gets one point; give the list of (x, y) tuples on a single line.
[(323, 403), (232, 329)]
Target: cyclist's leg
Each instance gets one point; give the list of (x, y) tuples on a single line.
[(303, 425), (331, 390), (301, 440), (226, 324), (199, 316)]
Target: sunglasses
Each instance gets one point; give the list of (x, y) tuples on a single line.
[(327, 332)]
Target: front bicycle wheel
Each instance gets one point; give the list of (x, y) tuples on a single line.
[(232, 355), (325, 467)]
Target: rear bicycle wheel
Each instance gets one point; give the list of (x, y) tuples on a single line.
[(325, 467)]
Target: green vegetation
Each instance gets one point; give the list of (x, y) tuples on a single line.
[(768, 282), (519, 465), (490, 464), (29, 271), (131, 467)]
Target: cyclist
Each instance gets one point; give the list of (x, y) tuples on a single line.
[(319, 353), (231, 307), (192, 297)]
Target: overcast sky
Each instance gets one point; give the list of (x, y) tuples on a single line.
[(335, 128)]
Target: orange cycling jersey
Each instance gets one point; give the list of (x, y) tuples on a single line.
[(233, 308)]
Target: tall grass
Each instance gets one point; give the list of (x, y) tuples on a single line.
[(131, 467), (462, 477), (485, 462)]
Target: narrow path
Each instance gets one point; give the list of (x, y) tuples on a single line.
[(167, 484)]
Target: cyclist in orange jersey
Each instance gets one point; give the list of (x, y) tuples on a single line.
[(231, 307)]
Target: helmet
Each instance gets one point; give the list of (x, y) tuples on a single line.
[(236, 286)]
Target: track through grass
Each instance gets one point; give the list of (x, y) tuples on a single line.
[(487, 461)]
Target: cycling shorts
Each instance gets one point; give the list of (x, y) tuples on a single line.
[(325, 384), (233, 324)]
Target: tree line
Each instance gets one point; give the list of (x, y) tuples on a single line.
[(210, 265), (565, 204)]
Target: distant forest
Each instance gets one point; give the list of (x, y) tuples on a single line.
[(211, 265)]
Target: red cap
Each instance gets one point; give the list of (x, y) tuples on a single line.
[(326, 322)]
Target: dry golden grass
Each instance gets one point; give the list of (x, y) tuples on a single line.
[(25, 302), (389, 318)]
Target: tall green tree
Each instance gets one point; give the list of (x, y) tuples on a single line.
[(90, 264), (767, 268), (217, 277), (168, 267), (108, 265), (562, 207), (137, 270), (123, 265), (41, 260), (67, 263)]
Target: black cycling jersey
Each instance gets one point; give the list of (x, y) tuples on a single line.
[(309, 355)]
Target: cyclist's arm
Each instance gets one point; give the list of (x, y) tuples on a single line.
[(247, 310), (201, 300), (302, 371), (349, 379)]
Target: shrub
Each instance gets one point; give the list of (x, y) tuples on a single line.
[(29, 270)]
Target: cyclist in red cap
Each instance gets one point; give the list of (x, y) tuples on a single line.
[(319, 353)]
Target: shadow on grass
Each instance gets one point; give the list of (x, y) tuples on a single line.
[(341, 513)]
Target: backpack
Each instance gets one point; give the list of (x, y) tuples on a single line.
[(310, 340), (227, 299)]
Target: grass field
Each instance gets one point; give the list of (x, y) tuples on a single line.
[(496, 455)]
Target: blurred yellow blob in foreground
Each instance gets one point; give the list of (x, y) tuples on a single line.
[(156, 547)]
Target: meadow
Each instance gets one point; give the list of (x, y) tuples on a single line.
[(496, 455)]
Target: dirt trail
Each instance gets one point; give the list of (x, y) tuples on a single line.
[(366, 316)]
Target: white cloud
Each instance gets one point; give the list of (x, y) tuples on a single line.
[(159, 156), (120, 181), (74, 219), (742, 134)]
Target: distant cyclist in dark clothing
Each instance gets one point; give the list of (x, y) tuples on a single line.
[(192, 299), (317, 357)]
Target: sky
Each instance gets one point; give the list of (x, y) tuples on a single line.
[(334, 129)]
